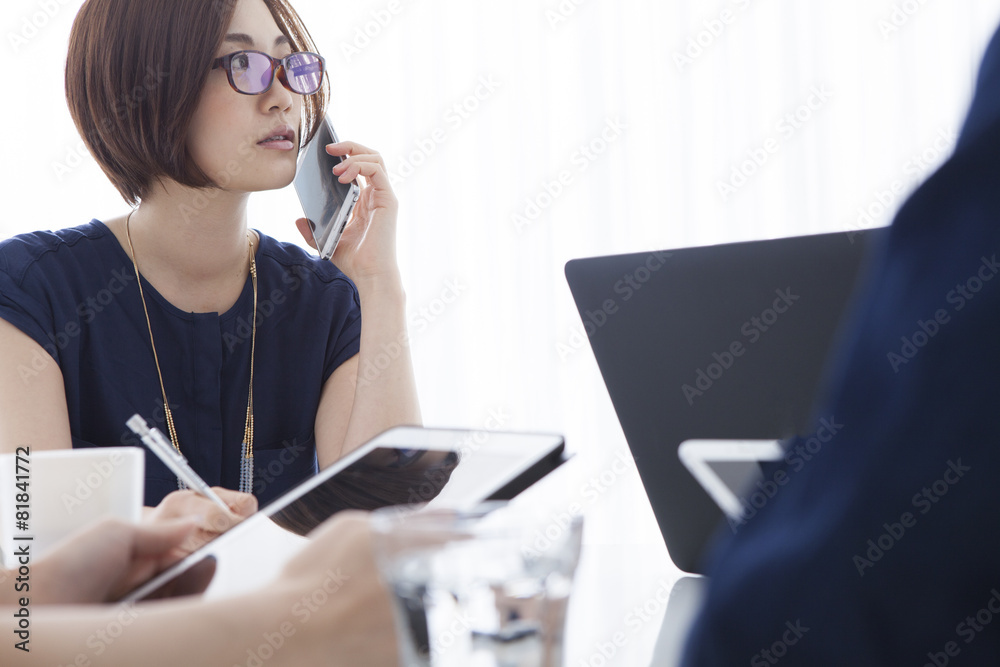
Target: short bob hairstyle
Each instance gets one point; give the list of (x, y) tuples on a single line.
[(134, 74)]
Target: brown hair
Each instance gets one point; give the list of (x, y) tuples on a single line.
[(134, 75)]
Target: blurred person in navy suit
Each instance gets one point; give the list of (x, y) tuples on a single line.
[(884, 548)]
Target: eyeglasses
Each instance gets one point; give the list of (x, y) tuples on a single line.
[(253, 72)]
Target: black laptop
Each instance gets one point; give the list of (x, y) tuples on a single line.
[(718, 342)]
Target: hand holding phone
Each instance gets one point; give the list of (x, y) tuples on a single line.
[(326, 202)]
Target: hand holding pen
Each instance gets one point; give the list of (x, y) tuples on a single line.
[(220, 509)]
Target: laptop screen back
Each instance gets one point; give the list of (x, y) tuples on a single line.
[(724, 342)]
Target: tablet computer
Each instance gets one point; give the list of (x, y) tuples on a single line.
[(404, 465), (726, 469)]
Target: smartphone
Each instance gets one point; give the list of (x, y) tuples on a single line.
[(404, 465), (326, 202)]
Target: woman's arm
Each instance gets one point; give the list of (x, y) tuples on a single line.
[(188, 631), (32, 397), (385, 393), (33, 413), (376, 389), (98, 563), (327, 608)]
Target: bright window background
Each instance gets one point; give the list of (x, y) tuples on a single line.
[(494, 327)]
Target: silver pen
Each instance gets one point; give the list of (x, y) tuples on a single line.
[(173, 459)]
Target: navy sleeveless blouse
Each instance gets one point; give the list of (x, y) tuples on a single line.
[(74, 291)]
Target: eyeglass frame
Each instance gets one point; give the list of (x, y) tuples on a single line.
[(277, 69)]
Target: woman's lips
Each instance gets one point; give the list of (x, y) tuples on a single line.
[(279, 138), (277, 144)]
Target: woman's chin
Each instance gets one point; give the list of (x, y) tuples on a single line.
[(261, 183)]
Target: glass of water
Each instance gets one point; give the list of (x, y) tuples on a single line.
[(487, 587)]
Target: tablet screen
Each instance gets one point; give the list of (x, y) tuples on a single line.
[(385, 476)]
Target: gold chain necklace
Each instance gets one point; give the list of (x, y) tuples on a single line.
[(246, 457)]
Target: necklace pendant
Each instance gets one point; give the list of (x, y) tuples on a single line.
[(246, 471), (246, 460)]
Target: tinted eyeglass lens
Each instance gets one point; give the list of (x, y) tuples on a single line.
[(304, 72), (251, 72)]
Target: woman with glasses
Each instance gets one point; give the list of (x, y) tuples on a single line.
[(249, 353)]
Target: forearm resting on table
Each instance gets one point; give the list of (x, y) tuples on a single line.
[(188, 631), (326, 608)]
